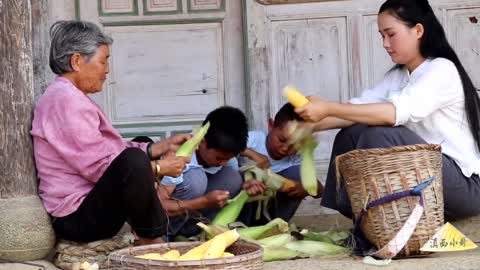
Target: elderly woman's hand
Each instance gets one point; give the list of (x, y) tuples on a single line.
[(314, 111), (172, 165), (176, 141), (169, 145)]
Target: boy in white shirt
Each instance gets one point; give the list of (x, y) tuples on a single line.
[(271, 149)]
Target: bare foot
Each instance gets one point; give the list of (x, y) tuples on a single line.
[(141, 241), (148, 241)]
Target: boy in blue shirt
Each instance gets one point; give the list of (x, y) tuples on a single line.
[(272, 150), (211, 177)]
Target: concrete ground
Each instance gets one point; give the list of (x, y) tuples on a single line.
[(469, 260)]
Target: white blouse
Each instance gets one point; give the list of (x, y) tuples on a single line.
[(430, 102)]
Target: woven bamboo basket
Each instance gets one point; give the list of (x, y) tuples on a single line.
[(373, 173), (247, 256)]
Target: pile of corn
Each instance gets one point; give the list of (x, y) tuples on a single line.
[(279, 242), (212, 249)]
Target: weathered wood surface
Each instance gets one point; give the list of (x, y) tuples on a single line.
[(17, 173), (42, 74), (276, 2)]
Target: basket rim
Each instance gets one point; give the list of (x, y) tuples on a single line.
[(117, 256), (389, 150)]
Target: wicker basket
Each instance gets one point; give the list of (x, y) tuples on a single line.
[(247, 256), (373, 173)]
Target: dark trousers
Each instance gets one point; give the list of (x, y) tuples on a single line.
[(282, 206), (124, 192), (461, 194)]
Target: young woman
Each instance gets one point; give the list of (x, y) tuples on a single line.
[(426, 98)]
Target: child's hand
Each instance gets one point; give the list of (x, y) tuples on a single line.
[(216, 199), (297, 192), (254, 187)]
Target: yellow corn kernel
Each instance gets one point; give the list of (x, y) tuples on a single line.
[(295, 97)]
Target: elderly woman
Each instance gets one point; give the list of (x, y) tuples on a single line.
[(91, 180)]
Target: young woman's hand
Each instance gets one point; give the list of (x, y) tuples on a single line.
[(172, 165), (314, 111), (254, 187)]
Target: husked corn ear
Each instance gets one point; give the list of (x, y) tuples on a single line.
[(171, 255), (220, 243), (189, 146), (227, 254), (150, 256), (230, 213), (196, 253), (295, 97)]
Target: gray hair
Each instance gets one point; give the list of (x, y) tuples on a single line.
[(69, 37)]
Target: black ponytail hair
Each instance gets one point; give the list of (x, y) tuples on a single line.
[(434, 44)]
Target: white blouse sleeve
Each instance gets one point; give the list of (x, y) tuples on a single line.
[(438, 87), (376, 94)]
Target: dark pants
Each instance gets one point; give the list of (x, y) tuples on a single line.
[(282, 206), (461, 194), (125, 191), (197, 183)]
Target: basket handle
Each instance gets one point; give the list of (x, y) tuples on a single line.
[(395, 245)]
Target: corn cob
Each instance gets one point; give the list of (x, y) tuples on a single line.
[(230, 213), (227, 254), (295, 97), (188, 147), (171, 255), (220, 243), (196, 253)]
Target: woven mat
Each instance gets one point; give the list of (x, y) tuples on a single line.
[(70, 255)]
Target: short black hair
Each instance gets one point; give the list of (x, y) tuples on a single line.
[(228, 130), (285, 114)]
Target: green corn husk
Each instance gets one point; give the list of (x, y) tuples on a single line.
[(253, 233), (308, 171), (314, 236), (188, 147), (315, 249), (279, 240), (279, 254), (212, 230), (230, 213)]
